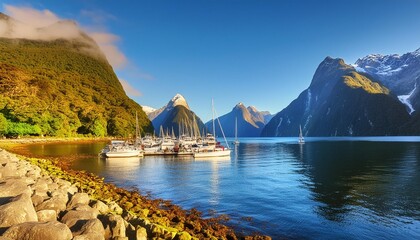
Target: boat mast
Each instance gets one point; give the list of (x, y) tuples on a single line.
[(236, 128), (137, 127), (212, 112)]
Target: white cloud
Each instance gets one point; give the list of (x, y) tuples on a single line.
[(29, 20), (130, 90), (107, 43), (30, 16)]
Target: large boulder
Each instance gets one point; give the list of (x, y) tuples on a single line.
[(90, 227), (46, 215), (78, 198), (101, 207), (17, 210), (114, 225), (12, 187), (34, 230), (57, 203), (72, 217)]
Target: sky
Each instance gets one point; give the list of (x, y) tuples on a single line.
[(259, 52)]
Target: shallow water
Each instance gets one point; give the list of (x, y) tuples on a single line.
[(327, 188)]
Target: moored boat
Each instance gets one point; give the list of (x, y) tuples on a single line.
[(210, 147)]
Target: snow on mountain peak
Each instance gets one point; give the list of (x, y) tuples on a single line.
[(383, 65), (252, 109), (178, 100), (148, 109)]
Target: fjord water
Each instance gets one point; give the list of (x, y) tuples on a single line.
[(327, 188)]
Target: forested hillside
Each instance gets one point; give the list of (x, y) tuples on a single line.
[(62, 88)]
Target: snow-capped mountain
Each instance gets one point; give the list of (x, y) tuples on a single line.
[(148, 109), (341, 102), (250, 121), (177, 115), (399, 73)]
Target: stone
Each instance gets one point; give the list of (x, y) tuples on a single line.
[(89, 236), (115, 208), (72, 216), (90, 226), (37, 199), (117, 225), (114, 225), (18, 210), (57, 203), (101, 207), (34, 230), (53, 186), (9, 169), (34, 173), (182, 236), (72, 189), (79, 198), (40, 186), (120, 238), (46, 215), (12, 187), (141, 233)]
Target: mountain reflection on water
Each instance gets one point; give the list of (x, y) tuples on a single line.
[(325, 188)]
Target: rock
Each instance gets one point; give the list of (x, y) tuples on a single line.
[(57, 203), (117, 225), (37, 199), (182, 236), (34, 173), (115, 208), (46, 215), (114, 225), (34, 230), (79, 198), (5, 238), (72, 216), (101, 207), (89, 236), (90, 226), (9, 169), (12, 187), (18, 210), (120, 238), (53, 186), (141, 233), (40, 186)]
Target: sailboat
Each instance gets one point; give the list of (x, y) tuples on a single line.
[(212, 148), (301, 139), (236, 142), (123, 149)]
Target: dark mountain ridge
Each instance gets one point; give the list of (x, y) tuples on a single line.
[(341, 102)]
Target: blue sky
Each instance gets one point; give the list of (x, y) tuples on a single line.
[(261, 53)]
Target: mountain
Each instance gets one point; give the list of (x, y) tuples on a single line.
[(55, 81), (178, 116), (250, 122), (341, 102), (399, 73)]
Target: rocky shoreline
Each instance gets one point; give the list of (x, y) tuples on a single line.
[(41, 200)]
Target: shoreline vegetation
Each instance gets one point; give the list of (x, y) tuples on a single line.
[(138, 216)]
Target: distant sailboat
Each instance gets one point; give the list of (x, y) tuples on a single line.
[(212, 148), (236, 142), (301, 139)]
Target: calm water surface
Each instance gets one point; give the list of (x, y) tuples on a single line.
[(328, 188)]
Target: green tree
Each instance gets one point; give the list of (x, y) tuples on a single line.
[(3, 124)]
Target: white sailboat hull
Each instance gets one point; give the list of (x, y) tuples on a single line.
[(124, 154), (215, 153)]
